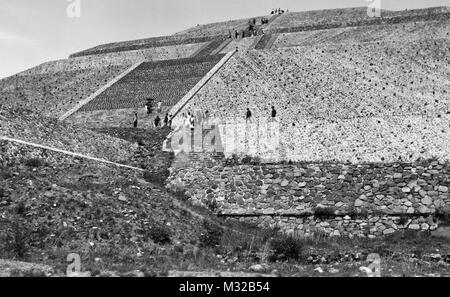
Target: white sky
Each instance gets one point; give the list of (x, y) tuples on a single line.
[(36, 31)]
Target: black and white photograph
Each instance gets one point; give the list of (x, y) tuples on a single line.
[(235, 142)]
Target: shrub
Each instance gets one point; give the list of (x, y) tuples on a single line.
[(243, 160), (16, 239), (355, 213), (212, 236), (211, 204), (33, 162), (180, 194), (403, 219), (443, 216), (155, 178), (324, 212), (20, 208), (247, 160), (285, 248), (160, 235), (233, 160)]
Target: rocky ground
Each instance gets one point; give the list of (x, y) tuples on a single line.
[(32, 127), (124, 223), (149, 154)]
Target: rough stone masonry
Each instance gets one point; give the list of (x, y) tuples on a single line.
[(370, 199)]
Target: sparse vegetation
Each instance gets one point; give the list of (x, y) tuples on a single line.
[(443, 216), (155, 177), (15, 239), (403, 219), (160, 235), (120, 220), (34, 162), (324, 212), (285, 247), (211, 237), (242, 160)]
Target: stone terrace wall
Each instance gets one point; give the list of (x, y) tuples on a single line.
[(123, 118), (373, 139), (363, 200), (54, 93), (218, 28), (31, 127), (55, 87), (167, 81), (376, 33), (375, 102), (116, 59), (353, 17), (319, 17), (333, 82), (143, 44)]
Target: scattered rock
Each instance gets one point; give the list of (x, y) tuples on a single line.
[(258, 268), (284, 183), (358, 203), (388, 231), (414, 227), (427, 201), (406, 190), (333, 270), (443, 189)]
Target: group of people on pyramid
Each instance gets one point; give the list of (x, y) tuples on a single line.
[(191, 119), (157, 122), (278, 11), (248, 115)]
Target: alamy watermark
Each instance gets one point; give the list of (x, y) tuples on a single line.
[(374, 8), (374, 269), (74, 9), (74, 268), (246, 138)]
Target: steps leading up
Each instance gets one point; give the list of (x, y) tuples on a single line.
[(271, 41), (263, 42), (210, 48), (100, 91), (221, 47)]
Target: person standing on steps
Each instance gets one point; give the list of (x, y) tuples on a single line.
[(198, 116), (274, 114), (159, 106), (157, 121), (206, 117), (248, 116), (166, 120), (192, 122), (148, 106), (135, 124), (188, 119)]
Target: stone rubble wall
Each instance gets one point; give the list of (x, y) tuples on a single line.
[(371, 227), (358, 199)]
